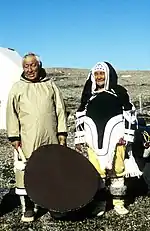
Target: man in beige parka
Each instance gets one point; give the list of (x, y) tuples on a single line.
[(35, 116)]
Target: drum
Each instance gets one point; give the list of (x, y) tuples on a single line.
[(60, 179)]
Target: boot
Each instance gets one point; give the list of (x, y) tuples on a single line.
[(119, 207), (118, 190), (100, 201), (101, 208), (28, 213)]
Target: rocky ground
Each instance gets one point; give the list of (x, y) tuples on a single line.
[(71, 83)]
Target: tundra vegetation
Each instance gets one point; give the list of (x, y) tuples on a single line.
[(71, 82)]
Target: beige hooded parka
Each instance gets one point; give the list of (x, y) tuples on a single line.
[(35, 113)]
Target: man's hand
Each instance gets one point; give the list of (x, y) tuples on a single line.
[(16, 144)]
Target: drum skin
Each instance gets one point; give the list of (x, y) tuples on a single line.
[(60, 179)]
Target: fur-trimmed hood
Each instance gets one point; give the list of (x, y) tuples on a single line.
[(42, 77)]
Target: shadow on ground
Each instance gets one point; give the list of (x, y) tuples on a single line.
[(135, 187), (9, 202)]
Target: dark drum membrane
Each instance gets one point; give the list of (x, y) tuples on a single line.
[(60, 179)]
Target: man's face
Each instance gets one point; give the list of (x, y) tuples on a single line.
[(99, 78), (31, 67)]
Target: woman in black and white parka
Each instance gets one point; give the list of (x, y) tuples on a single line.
[(105, 122)]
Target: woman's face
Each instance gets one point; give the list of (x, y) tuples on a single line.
[(99, 78)]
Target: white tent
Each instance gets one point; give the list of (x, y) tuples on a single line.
[(10, 71)]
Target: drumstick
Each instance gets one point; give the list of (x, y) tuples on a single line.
[(15, 155), (21, 154)]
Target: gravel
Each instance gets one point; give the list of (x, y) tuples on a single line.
[(138, 218)]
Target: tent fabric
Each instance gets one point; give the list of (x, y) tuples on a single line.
[(10, 72), (60, 179)]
